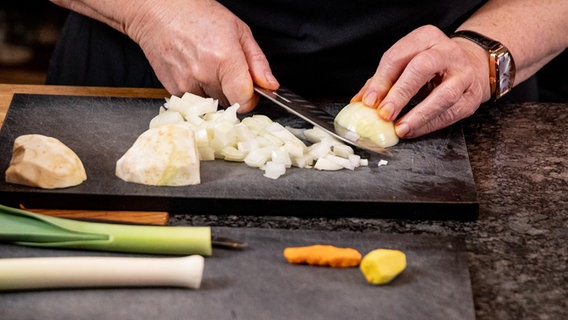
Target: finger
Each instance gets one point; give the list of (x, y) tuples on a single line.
[(425, 66), (236, 82), (447, 104), (394, 62), (258, 64)]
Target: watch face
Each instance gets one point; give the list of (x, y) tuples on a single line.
[(505, 72)]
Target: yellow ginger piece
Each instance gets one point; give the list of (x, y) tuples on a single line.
[(381, 266)]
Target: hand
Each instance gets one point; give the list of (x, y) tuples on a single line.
[(199, 46), (455, 70)]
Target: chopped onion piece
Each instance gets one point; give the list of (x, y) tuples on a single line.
[(345, 163), (355, 159), (320, 149), (281, 156), (166, 117), (233, 154), (316, 134), (191, 104), (201, 137), (304, 161), (206, 153), (274, 170), (342, 150), (298, 132), (230, 114), (326, 164), (382, 163), (243, 132), (258, 157), (295, 148)]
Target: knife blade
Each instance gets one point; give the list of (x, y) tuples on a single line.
[(314, 115)]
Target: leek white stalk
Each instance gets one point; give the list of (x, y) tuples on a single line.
[(68, 272)]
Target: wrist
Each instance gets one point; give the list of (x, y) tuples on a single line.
[(500, 62), (479, 61), (138, 17)]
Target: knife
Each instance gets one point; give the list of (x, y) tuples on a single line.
[(314, 115)]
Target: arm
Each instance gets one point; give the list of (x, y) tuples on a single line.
[(195, 46), (533, 31)]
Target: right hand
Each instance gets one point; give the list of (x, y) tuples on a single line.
[(199, 46)]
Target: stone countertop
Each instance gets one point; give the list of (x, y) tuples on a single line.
[(518, 247)]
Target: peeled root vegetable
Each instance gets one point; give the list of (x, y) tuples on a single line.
[(45, 162), (381, 266), (162, 156), (323, 255), (364, 122)]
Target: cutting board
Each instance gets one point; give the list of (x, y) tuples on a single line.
[(428, 177), (258, 283)]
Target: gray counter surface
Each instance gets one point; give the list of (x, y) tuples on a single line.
[(518, 247)]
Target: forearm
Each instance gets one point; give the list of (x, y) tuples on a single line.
[(127, 16), (534, 31), (113, 13)]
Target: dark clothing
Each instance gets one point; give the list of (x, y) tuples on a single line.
[(321, 49), (90, 53)]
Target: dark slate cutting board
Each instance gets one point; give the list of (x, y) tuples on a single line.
[(428, 178), (257, 283)]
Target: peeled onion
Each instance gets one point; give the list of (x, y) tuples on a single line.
[(366, 123)]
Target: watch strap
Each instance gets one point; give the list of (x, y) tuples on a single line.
[(479, 39)]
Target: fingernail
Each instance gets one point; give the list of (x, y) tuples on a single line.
[(386, 111), (402, 130), (370, 98), (271, 79)]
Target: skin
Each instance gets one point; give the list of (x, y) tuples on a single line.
[(221, 59)]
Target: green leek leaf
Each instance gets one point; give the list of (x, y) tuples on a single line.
[(31, 229)]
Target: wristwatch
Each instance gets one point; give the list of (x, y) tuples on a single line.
[(501, 63)]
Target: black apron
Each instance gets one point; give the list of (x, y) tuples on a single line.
[(321, 49)]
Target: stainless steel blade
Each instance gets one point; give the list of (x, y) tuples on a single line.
[(314, 115)]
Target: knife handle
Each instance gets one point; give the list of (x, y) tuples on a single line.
[(69, 272)]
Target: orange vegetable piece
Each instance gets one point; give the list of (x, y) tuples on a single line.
[(323, 255)]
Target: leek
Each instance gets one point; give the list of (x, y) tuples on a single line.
[(67, 272), (30, 229)]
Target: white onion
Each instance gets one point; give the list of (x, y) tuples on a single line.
[(326, 164), (166, 117), (274, 170), (364, 121), (256, 140)]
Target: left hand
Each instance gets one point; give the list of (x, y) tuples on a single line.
[(457, 69)]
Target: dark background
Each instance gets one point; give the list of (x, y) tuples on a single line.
[(29, 30)]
